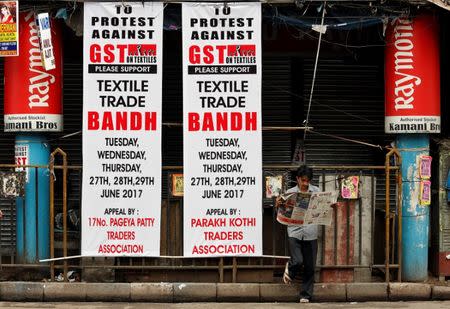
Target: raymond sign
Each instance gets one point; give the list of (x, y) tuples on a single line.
[(412, 76), (33, 96), (222, 129)]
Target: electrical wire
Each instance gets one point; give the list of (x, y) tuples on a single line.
[(267, 84), (349, 140), (315, 69)]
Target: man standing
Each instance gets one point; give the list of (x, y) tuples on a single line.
[(302, 241)]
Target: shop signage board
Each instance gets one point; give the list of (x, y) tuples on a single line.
[(122, 94), (222, 129), (9, 26), (412, 76), (33, 92)]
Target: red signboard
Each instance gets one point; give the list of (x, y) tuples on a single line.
[(33, 96), (412, 76)]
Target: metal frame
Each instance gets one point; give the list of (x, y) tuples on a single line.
[(222, 265)]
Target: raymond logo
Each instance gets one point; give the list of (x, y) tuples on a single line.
[(404, 63), (412, 76), (33, 96), (39, 82)]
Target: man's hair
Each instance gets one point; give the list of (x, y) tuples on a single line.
[(304, 170)]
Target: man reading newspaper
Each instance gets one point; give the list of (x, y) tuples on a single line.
[(302, 211)]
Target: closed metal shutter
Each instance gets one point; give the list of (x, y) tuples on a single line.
[(277, 99), (73, 113), (172, 110), (6, 139), (348, 101)]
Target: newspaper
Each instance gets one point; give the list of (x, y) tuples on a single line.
[(300, 208)]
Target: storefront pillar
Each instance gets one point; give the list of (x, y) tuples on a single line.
[(32, 210), (416, 218), (412, 112), (33, 106)]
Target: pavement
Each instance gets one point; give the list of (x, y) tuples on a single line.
[(135, 305), (22, 291)]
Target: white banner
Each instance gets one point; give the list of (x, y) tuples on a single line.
[(222, 129), (121, 205)]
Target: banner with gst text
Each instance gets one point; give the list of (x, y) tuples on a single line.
[(122, 95), (222, 129)]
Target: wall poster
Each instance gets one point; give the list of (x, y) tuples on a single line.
[(222, 129), (425, 167), (350, 187), (9, 28), (121, 205), (425, 193)]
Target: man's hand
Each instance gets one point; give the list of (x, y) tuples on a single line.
[(1, 214), (278, 201)]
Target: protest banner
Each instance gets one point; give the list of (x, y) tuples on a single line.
[(222, 129), (121, 205)]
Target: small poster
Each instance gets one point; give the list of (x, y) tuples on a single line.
[(9, 38), (22, 158), (425, 167), (273, 186), (299, 153), (177, 185), (45, 41), (349, 187), (12, 184), (425, 192)]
